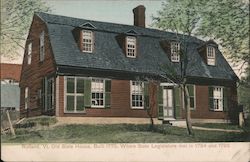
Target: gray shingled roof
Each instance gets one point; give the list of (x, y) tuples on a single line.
[(108, 55)]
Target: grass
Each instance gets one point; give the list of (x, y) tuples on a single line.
[(118, 133), (218, 126)]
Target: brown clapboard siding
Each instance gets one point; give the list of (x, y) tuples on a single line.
[(33, 74), (202, 105), (120, 102)]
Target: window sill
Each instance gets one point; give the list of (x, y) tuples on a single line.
[(137, 108), (88, 52), (216, 110), (96, 107), (74, 112)]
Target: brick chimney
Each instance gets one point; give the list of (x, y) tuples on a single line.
[(139, 16)]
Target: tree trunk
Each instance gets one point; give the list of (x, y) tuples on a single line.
[(187, 109)]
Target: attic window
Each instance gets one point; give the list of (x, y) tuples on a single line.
[(42, 52), (210, 55), (87, 41), (175, 48), (131, 46), (29, 51)]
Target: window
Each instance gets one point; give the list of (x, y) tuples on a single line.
[(191, 91), (50, 94), (74, 94), (131, 47), (87, 41), (26, 98), (42, 50), (137, 98), (175, 49), (29, 51), (210, 56), (39, 97), (97, 92), (217, 99)]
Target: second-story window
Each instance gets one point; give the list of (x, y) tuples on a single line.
[(29, 53), (87, 41), (210, 56), (42, 49), (131, 46), (175, 49)]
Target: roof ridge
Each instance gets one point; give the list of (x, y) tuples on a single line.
[(111, 23)]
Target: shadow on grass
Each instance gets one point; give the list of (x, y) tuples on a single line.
[(118, 133)]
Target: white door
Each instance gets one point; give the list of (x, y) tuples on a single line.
[(168, 103)]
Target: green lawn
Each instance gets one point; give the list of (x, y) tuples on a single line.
[(118, 133)]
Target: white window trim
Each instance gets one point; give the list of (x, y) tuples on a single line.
[(191, 108), (222, 98), (135, 53), (136, 107), (92, 41), (71, 94), (98, 106), (42, 44), (26, 98), (177, 54), (29, 53), (211, 57)]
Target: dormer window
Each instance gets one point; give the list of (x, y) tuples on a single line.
[(87, 41), (175, 49), (29, 51), (210, 55), (131, 46)]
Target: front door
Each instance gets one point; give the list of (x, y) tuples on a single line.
[(168, 111)]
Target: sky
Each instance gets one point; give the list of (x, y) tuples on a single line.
[(115, 11)]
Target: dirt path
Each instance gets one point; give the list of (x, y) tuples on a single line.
[(213, 129)]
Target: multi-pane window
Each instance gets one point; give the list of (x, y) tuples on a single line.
[(217, 98), (74, 94), (29, 53), (26, 97), (131, 46), (137, 94), (210, 55), (87, 41), (97, 92), (175, 52), (42, 49)]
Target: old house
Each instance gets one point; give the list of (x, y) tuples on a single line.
[(82, 68)]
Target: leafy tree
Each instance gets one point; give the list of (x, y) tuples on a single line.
[(226, 21), (181, 17), (16, 18)]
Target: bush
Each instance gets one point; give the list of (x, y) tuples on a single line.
[(36, 121)]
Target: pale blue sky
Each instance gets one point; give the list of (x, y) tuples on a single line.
[(116, 11)]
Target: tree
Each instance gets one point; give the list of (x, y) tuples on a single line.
[(181, 17), (227, 21), (16, 18)]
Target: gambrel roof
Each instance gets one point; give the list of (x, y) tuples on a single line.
[(108, 55)]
